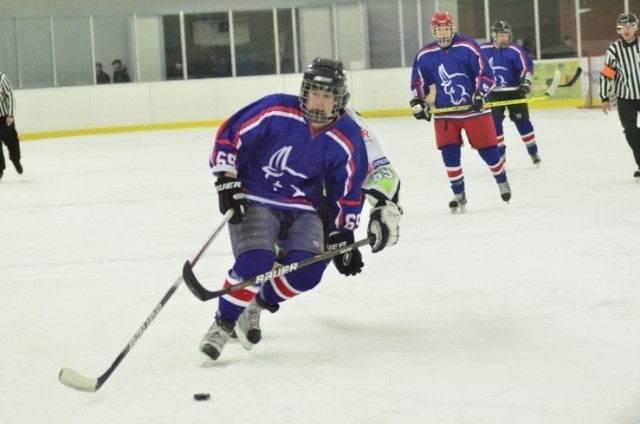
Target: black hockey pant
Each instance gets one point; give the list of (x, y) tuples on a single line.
[(628, 112), (9, 137)]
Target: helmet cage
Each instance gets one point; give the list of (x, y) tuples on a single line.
[(443, 41), (501, 27), (327, 76), (442, 20)]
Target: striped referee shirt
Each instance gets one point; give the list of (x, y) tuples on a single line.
[(620, 74), (6, 96)]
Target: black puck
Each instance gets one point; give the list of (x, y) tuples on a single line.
[(201, 396)]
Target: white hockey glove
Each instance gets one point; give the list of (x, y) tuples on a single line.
[(383, 225)]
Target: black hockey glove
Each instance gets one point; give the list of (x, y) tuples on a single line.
[(383, 225), (420, 109), (477, 102), (230, 196), (525, 87), (349, 263)]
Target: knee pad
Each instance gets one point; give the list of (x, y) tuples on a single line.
[(252, 263), (290, 285), (451, 155)]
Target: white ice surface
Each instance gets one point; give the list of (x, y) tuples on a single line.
[(520, 313)]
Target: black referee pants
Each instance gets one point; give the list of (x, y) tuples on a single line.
[(9, 137), (628, 112)]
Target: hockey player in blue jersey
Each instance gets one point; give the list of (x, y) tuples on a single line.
[(513, 68), (457, 70), (382, 191), (273, 159)]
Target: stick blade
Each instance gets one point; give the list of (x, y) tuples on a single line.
[(554, 84), (77, 381), (575, 78), (192, 282)]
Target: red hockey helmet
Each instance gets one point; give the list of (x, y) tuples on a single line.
[(441, 18), (440, 21)]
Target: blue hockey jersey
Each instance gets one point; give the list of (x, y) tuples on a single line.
[(268, 145), (510, 64), (457, 72)]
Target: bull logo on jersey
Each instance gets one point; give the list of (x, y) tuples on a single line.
[(277, 168), (500, 82), (456, 92)]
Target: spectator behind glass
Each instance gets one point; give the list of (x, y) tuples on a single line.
[(567, 48), (120, 73), (526, 45), (175, 71), (101, 76)]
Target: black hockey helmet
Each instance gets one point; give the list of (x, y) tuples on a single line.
[(501, 27), (627, 19), (328, 75)]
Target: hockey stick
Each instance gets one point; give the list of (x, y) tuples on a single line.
[(203, 294), (552, 88), (572, 81), (77, 381)]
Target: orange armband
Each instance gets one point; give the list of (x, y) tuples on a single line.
[(608, 72)]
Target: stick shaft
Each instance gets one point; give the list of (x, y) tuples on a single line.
[(77, 381)]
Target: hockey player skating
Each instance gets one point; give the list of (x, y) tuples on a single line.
[(382, 190), (273, 159), (512, 67), (461, 76), (620, 78)]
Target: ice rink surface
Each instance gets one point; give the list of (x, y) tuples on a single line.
[(524, 313)]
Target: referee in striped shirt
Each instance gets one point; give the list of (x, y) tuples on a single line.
[(620, 78), (8, 133)]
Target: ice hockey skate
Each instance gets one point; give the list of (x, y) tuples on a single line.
[(214, 340), (248, 325), (636, 175), (459, 204), (535, 158), (505, 191)]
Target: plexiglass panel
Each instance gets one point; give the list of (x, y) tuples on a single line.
[(384, 36), (353, 38), (8, 52), (208, 45), (113, 40), (151, 58), (286, 40), (316, 34), (254, 42), (557, 28), (72, 50), (470, 19), (35, 55)]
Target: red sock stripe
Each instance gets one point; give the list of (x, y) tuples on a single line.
[(498, 168), (529, 137), (454, 173), (282, 287), (244, 295)]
